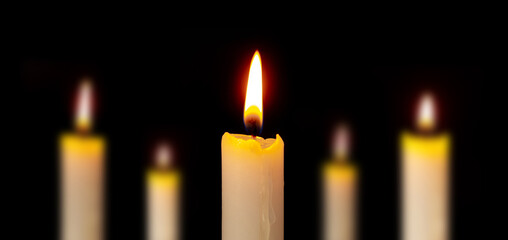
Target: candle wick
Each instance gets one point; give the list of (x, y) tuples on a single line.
[(252, 124), (82, 132)]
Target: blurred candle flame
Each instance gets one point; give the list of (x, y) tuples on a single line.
[(341, 142), (83, 119), (163, 156), (426, 113), (253, 111)]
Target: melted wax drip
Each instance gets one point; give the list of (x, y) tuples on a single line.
[(268, 216)]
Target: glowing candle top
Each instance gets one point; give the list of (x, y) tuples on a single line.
[(83, 118), (163, 156), (426, 113), (341, 142)]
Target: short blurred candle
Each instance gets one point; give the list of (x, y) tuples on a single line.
[(425, 178), (82, 175), (252, 174), (162, 197), (339, 190)]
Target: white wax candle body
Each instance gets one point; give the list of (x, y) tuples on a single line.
[(162, 205), (81, 184), (425, 166), (252, 188), (339, 201)]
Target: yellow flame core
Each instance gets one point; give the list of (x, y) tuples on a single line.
[(84, 107), (426, 113), (341, 142), (163, 156), (254, 96)]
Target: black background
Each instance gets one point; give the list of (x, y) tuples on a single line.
[(188, 87)]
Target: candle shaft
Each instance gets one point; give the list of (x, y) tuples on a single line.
[(252, 188), (339, 201), (425, 179), (81, 184), (162, 205)]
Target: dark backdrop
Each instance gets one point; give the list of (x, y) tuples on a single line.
[(188, 87)]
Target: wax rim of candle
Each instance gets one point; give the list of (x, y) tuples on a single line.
[(340, 170), (247, 141), (83, 143), (428, 145), (166, 176)]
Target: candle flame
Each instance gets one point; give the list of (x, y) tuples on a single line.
[(341, 142), (163, 156), (426, 113), (83, 118), (253, 111)]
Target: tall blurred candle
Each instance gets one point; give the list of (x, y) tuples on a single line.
[(252, 174), (82, 175), (425, 178), (339, 191), (162, 198)]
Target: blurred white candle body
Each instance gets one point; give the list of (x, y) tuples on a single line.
[(163, 202), (339, 179), (82, 177), (252, 188), (162, 198), (425, 180), (339, 200), (425, 187)]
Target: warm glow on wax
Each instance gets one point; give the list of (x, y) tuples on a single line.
[(84, 107), (426, 113), (253, 111)]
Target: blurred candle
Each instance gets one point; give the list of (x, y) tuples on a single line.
[(162, 198), (425, 176), (339, 190), (82, 175), (252, 174)]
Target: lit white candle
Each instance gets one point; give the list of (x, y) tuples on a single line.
[(252, 174), (82, 176), (425, 178), (339, 191), (162, 198)]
